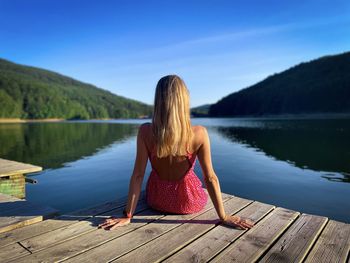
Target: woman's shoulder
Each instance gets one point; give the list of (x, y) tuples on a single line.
[(199, 130), (200, 135), (145, 125), (145, 129)]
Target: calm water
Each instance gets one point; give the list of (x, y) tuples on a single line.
[(298, 164)]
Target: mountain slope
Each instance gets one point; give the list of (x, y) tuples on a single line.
[(318, 86), (33, 93), (200, 111)]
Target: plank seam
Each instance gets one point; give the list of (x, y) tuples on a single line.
[(60, 217), (19, 243), (132, 230), (121, 255), (243, 233), (67, 239), (276, 240), (315, 241), (199, 236)]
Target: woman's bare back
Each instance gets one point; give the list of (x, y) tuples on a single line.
[(171, 169)]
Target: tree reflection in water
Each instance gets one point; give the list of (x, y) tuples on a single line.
[(51, 145), (320, 145)]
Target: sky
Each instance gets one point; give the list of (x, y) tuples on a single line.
[(217, 47)]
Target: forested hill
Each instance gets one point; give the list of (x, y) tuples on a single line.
[(200, 111), (33, 93), (318, 86)]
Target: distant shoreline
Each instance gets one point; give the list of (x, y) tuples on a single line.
[(290, 116), (282, 116), (16, 120)]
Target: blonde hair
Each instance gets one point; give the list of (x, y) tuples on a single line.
[(171, 121)]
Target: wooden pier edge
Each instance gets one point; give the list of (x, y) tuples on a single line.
[(15, 211), (279, 235)]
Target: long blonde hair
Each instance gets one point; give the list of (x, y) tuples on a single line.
[(171, 121)]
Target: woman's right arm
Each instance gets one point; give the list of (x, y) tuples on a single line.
[(213, 185)]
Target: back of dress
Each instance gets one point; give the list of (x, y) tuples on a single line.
[(172, 190)]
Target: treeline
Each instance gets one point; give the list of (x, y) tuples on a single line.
[(33, 93), (319, 86), (200, 111)]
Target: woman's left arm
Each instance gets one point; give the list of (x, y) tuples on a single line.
[(134, 185)]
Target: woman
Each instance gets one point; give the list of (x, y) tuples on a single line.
[(172, 146)]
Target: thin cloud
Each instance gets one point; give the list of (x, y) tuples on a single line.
[(248, 33)]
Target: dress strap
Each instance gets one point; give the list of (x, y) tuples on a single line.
[(189, 157)]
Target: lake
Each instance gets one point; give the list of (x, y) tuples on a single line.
[(300, 164)]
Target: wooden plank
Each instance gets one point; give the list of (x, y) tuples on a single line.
[(165, 245), (4, 198), (72, 247), (11, 251), (196, 238), (333, 245), (8, 224), (94, 240), (26, 232), (210, 244), (293, 245), (51, 239), (24, 215), (6, 164), (257, 240), (68, 232), (48, 239), (8, 167)]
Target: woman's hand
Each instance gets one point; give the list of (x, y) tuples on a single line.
[(237, 221), (113, 222)]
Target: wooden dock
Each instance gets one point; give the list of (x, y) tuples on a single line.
[(12, 177), (15, 211), (280, 235)]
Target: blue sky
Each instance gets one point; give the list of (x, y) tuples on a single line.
[(217, 47)]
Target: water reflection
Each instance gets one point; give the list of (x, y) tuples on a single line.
[(51, 145), (320, 145)]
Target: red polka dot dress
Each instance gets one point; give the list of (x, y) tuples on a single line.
[(184, 196)]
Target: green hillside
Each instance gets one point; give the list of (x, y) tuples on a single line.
[(33, 93), (316, 87), (200, 111)]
